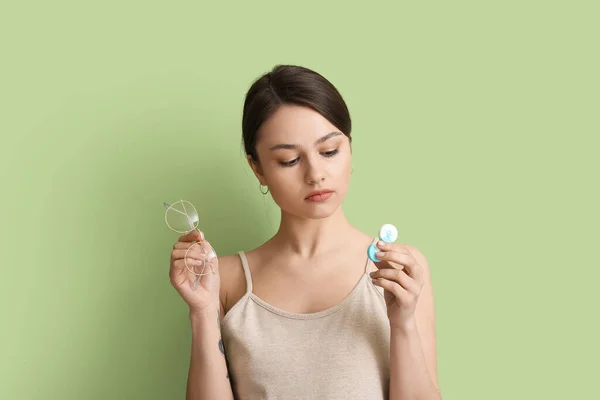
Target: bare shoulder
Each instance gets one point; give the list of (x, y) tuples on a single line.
[(421, 260), (233, 280)]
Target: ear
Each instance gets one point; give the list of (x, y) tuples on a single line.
[(256, 168)]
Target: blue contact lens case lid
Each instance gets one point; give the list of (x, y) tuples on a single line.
[(371, 253), (387, 233)]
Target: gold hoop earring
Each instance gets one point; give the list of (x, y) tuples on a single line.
[(260, 188)]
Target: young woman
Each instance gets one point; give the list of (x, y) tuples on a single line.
[(307, 315)]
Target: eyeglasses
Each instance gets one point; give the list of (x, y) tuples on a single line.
[(182, 217)]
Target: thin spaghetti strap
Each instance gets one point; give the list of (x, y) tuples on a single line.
[(246, 271), (369, 262)]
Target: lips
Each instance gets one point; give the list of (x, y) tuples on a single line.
[(319, 195)]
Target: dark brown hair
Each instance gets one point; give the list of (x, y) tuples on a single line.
[(291, 84)]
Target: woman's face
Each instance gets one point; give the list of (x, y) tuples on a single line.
[(300, 155)]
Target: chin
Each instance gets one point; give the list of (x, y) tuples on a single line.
[(314, 211), (320, 213)]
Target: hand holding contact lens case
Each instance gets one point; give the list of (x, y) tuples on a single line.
[(387, 233)]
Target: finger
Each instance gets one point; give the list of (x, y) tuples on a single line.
[(188, 237), (412, 268), (416, 272), (385, 246), (398, 276), (415, 269), (191, 236), (402, 260), (183, 245), (178, 273), (195, 254), (393, 287), (194, 265), (403, 256)]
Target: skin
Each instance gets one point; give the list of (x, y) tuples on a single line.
[(300, 268)]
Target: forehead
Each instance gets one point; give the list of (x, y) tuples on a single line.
[(294, 125)]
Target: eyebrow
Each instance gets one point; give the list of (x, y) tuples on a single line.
[(318, 141)]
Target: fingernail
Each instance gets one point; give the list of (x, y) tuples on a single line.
[(381, 243), (380, 254), (372, 274)]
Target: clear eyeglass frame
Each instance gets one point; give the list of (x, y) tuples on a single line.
[(185, 210)]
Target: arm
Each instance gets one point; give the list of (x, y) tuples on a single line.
[(413, 361), (208, 377)]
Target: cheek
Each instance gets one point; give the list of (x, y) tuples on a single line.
[(286, 190), (343, 166), (284, 180)]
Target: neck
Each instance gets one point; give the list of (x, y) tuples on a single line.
[(309, 237)]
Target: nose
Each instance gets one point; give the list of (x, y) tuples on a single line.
[(314, 172)]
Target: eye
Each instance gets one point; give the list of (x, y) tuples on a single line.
[(289, 163), (331, 153)]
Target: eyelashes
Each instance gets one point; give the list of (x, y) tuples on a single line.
[(293, 162), (331, 153), (289, 163)]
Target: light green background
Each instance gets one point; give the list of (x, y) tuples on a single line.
[(475, 132)]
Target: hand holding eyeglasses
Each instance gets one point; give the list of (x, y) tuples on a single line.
[(194, 263)]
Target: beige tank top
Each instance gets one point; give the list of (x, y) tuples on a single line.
[(338, 353)]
